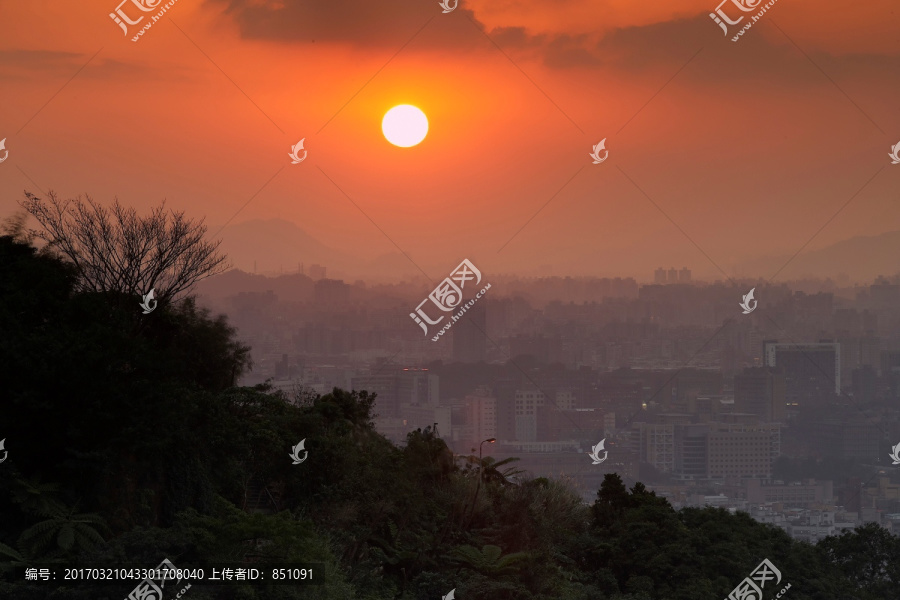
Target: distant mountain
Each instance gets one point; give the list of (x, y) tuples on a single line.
[(280, 246), (277, 245), (862, 258)]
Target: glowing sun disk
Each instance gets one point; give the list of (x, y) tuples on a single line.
[(404, 125)]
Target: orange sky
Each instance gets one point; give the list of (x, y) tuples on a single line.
[(749, 149)]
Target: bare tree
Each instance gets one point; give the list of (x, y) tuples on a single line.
[(116, 250)]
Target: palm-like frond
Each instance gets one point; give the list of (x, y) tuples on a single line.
[(11, 552), (489, 560), (69, 530)]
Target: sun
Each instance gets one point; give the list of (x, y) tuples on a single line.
[(404, 125)]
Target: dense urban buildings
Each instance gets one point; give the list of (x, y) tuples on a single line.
[(688, 395)]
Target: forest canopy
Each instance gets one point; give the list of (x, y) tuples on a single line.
[(129, 442)]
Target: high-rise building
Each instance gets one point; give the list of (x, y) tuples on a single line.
[(477, 419), (469, 335), (559, 420), (691, 451), (654, 443), (761, 391), (855, 437), (396, 387), (418, 387), (743, 449), (673, 275), (545, 349), (504, 391), (331, 292), (316, 272), (527, 403), (384, 383), (884, 294), (798, 494), (865, 380), (659, 276), (684, 276), (812, 371)]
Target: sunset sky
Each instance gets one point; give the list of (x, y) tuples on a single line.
[(749, 147)]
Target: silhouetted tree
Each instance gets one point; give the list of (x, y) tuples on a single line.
[(116, 250)]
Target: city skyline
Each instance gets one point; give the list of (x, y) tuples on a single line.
[(459, 299), (184, 116)]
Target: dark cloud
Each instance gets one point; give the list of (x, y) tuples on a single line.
[(762, 52), (21, 65), (39, 59), (358, 22)]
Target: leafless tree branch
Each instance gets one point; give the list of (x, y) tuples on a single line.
[(117, 250)]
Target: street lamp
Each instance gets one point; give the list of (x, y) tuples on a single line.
[(480, 472), (487, 441)]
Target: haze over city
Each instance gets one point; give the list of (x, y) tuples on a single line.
[(746, 146), (457, 299)]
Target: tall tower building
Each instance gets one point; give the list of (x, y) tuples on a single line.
[(527, 403), (469, 335), (812, 371), (761, 391)]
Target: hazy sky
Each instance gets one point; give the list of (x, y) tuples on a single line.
[(749, 147)]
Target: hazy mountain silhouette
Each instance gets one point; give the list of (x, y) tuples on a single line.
[(862, 258), (279, 246)]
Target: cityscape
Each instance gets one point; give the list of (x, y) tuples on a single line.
[(449, 300), (702, 404)]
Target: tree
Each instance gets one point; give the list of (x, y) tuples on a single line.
[(70, 530), (490, 472), (116, 250), (490, 560), (868, 557)]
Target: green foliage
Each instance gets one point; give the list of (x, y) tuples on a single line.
[(867, 558), (137, 423), (489, 560)]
